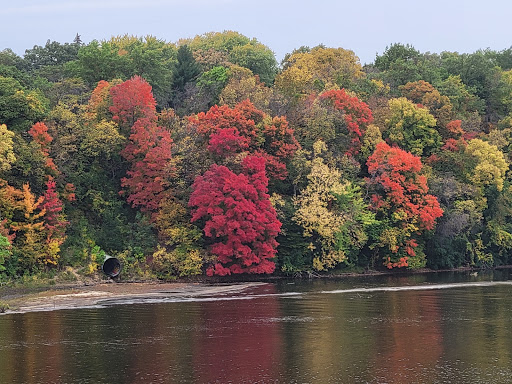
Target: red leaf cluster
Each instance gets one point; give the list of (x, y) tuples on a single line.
[(401, 189), (132, 100), (149, 146), (243, 117), (454, 145), (52, 205), (149, 151), (396, 172), (454, 128), (243, 128), (357, 115), (227, 142), (39, 133), (279, 145), (239, 218)]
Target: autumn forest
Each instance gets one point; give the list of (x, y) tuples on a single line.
[(208, 157)]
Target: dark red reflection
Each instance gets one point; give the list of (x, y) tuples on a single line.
[(240, 340)]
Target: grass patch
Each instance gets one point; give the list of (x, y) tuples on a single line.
[(3, 307)]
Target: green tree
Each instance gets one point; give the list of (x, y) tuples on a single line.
[(19, 107), (186, 70), (5, 253), (400, 64), (463, 100), (123, 57), (239, 50), (411, 127)]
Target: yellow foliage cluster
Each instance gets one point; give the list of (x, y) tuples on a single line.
[(318, 70), (179, 254), (6, 148), (243, 85), (315, 211), (491, 165)]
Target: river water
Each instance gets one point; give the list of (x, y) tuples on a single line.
[(432, 328)]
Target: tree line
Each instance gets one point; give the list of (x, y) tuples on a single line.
[(206, 156)]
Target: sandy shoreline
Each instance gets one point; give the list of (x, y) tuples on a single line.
[(106, 292), (114, 293)]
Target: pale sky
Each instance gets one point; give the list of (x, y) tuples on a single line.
[(366, 26)]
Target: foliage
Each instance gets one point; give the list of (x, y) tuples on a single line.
[(180, 253), (30, 247), (211, 84), (93, 160), (186, 70), (239, 50), (317, 70), (411, 128), (132, 100), (490, 164), (239, 221), (19, 107), (242, 85), (149, 151), (332, 214), (356, 115), (123, 57), (5, 252), (400, 64), (334, 117), (245, 128), (316, 213), (401, 201), (7, 156), (423, 93)]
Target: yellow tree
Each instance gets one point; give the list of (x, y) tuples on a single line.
[(317, 70), (243, 85), (29, 243), (315, 214), (180, 252), (332, 214), (6, 148), (490, 166), (237, 49)]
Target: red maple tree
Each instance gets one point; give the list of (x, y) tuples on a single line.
[(149, 145), (245, 128), (244, 117), (52, 205), (40, 135), (226, 142), (131, 100), (149, 151), (400, 197), (240, 222), (356, 114)]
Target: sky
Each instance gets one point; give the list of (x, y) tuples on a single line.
[(365, 27)]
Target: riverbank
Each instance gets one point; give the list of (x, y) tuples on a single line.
[(88, 293), (100, 294)]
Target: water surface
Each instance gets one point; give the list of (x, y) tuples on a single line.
[(435, 328)]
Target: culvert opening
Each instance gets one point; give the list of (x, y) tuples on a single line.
[(111, 267)]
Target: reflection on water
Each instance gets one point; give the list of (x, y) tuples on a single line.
[(436, 328)]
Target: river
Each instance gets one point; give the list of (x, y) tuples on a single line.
[(428, 328)]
